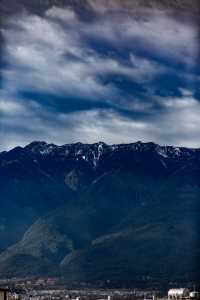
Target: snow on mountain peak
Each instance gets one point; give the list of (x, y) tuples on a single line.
[(92, 153)]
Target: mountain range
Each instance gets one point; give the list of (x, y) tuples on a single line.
[(98, 212)]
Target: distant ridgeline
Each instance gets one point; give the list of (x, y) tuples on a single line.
[(120, 213)]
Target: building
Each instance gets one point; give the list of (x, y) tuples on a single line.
[(108, 298), (4, 294), (178, 293), (194, 295)]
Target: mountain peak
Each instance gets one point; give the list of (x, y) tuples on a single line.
[(36, 144), (92, 153), (40, 147)]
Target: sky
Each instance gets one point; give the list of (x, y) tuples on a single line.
[(113, 76)]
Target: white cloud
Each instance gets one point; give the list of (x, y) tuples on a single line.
[(186, 92), (150, 30), (177, 125), (63, 14), (51, 54), (38, 55), (180, 103), (10, 107), (38, 50), (91, 126), (165, 34)]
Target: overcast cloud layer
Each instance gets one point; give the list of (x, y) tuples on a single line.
[(116, 78)]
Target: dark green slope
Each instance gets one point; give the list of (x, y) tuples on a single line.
[(120, 212), (134, 221), (27, 191), (160, 240)]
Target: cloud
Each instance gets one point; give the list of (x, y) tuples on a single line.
[(177, 125), (165, 35), (181, 103), (180, 7), (39, 60), (66, 15), (119, 60), (151, 30), (44, 56), (91, 126), (186, 92), (10, 108), (44, 47)]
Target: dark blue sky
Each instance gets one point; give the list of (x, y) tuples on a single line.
[(115, 78)]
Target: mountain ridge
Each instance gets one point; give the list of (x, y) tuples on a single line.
[(42, 147), (93, 212)]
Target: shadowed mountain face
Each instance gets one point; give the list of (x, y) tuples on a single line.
[(100, 212)]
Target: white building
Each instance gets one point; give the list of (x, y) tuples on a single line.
[(109, 298), (194, 295), (3, 294), (178, 293)]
